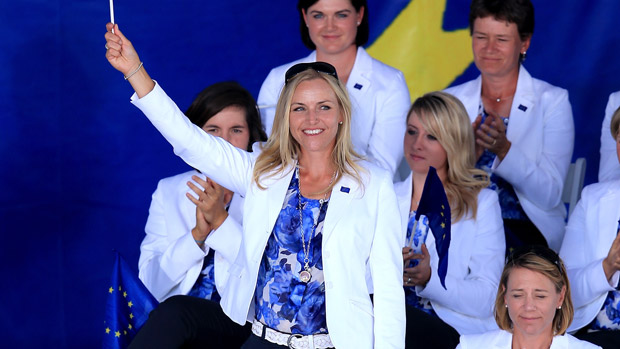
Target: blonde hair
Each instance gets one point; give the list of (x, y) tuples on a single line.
[(615, 123), (281, 149), (445, 117), (554, 271)]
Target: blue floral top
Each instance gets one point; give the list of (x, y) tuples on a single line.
[(508, 200), (205, 285), (609, 316), (419, 237), (282, 301)]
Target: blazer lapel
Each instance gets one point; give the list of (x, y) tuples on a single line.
[(274, 196), (522, 106), (339, 203)]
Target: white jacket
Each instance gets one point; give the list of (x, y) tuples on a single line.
[(361, 231), (475, 263), (170, 260), (590, 232), (380, 101), (501, 339), (542, 134), (609, 167)]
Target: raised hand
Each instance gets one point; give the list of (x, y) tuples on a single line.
[(120, 53)]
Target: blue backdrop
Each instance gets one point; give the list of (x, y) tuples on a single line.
[(79, 163)]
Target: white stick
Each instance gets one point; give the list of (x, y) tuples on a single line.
[(112, 13)]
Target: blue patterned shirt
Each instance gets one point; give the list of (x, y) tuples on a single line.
[(205, 285), (419, 238), (282, 301), (508, 200), (609, 316)]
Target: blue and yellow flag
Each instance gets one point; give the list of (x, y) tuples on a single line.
[(434, 205), (128, 307)]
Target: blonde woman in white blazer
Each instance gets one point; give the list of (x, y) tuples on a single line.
[(378, 93), (439, 135), (609, 168), (529, 158), (591, 250), (533, 305), (310, 203)]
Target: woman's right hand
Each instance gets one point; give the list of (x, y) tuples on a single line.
[(611, 263), (120, 53)]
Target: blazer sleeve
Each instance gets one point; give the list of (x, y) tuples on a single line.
[(213, 156), (167, 267), (473, 294), (226, 241), (386, 268), (541, 178), (385, 144), (609, 167), (587, 277)]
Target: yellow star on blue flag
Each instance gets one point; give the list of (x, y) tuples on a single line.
[(126, 310), (434, 205)]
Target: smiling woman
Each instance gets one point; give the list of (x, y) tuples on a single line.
[(309, 253), (336, 31), (523, 126)]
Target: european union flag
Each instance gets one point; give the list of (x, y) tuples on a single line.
[(434, 205), (128, 307)]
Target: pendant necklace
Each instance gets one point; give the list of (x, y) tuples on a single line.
[(305, 274)]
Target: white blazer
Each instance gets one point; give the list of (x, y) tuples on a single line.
[(379, 99), (501, 339), (590, 232), (361, 230), (170, 260), (542, 134), (609, 167), (475, 263)]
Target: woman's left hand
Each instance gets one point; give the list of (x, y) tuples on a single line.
[(421, 273), (492, 136)]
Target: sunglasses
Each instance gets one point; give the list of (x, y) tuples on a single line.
[(540, 251), (320, 67)]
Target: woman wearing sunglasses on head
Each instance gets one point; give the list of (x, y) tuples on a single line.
[(336, 31), (439, 135), (533, 307), (591, 249), (316, 216)]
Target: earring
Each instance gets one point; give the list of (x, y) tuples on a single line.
[(523, 55), (560, 307), (340, 123), (506, 305), (358, 23)]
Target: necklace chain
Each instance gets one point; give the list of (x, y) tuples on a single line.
[(305, 275)]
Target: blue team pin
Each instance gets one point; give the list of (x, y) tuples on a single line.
[(345, 189), (358, 86), (522, 107)]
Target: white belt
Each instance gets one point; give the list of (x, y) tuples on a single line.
[(294, 341)]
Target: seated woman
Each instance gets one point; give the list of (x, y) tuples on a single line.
[(533, 306), (609, 168), (336, 30), (316, 216), (439, 134), (175, 258), (524, 126), (591, 250)]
